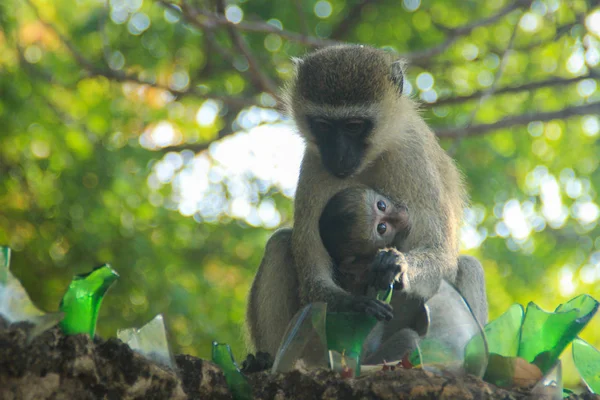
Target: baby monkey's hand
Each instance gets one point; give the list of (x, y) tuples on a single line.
[(388, 267)]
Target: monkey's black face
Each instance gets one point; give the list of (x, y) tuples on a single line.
[(342, 142)]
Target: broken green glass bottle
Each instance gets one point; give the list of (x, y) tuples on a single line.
[(587, 363), (536, 337), (544, 335), (504, 333), (238, 385), (346, 333), (83, 298)]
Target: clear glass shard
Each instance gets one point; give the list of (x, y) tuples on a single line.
[(150, 341), (83, 298), (15, 304), (550, 386), (455, 343), (238, 385), (304, 342), (587, 362)]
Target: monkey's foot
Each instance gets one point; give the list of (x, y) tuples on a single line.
[(388, 267), (256, 363)]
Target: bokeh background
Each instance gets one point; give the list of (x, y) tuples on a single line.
[(146, 134)]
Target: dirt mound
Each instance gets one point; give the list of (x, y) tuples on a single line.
[(55, 366)]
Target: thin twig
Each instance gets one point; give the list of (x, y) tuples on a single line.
[(261, 80), (301, 17), (489, 91), (551, 82), (205, 19), (351, 19), (465, 30), (120, 76), (477, 130)]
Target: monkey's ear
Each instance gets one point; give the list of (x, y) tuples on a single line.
[(397, 74), (297, 62)]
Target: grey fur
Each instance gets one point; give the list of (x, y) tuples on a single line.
[(403, 161)]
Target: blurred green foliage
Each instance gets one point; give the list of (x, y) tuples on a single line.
[(84, 86)]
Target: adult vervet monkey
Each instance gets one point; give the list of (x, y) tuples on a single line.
[(359, 128)]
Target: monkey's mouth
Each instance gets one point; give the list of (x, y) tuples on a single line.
[(342, 174), (342, 169)]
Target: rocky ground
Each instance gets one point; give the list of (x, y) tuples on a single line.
[(55, 366)]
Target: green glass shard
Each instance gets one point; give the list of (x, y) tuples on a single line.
[(238, 385), (346, 334), (587, 362), (15, 304), (4, 263), (545, 335), (504, 333), (150, 341), (83, 298)]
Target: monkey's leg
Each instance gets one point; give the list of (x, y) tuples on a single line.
[(399, 335), (470, 282), (394, 348), (410, 320), (273, 299)]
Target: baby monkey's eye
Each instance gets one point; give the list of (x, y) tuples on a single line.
[(381, 205), (381, 228)]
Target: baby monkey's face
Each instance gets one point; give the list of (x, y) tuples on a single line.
[(384, 220), (358, 221)]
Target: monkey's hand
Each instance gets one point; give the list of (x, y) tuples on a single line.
[(378, 309), (389, 267)]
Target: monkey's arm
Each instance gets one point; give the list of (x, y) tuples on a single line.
[(432, 254), (313, 263)]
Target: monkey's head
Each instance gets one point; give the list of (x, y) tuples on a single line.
[(342, 98), (358, 221)]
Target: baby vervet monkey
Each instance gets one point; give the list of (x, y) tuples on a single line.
[(360, 128), (355, 224)]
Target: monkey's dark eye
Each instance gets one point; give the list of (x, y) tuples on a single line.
[(381, 205), (354, 126), (381, 228), (320, 126)]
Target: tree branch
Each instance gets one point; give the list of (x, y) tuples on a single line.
[(492, 89), (205, 19), (301, 17), (350, 20), (462, 31), (120, 76), (551, 82), (477, 130), (261, 80)]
